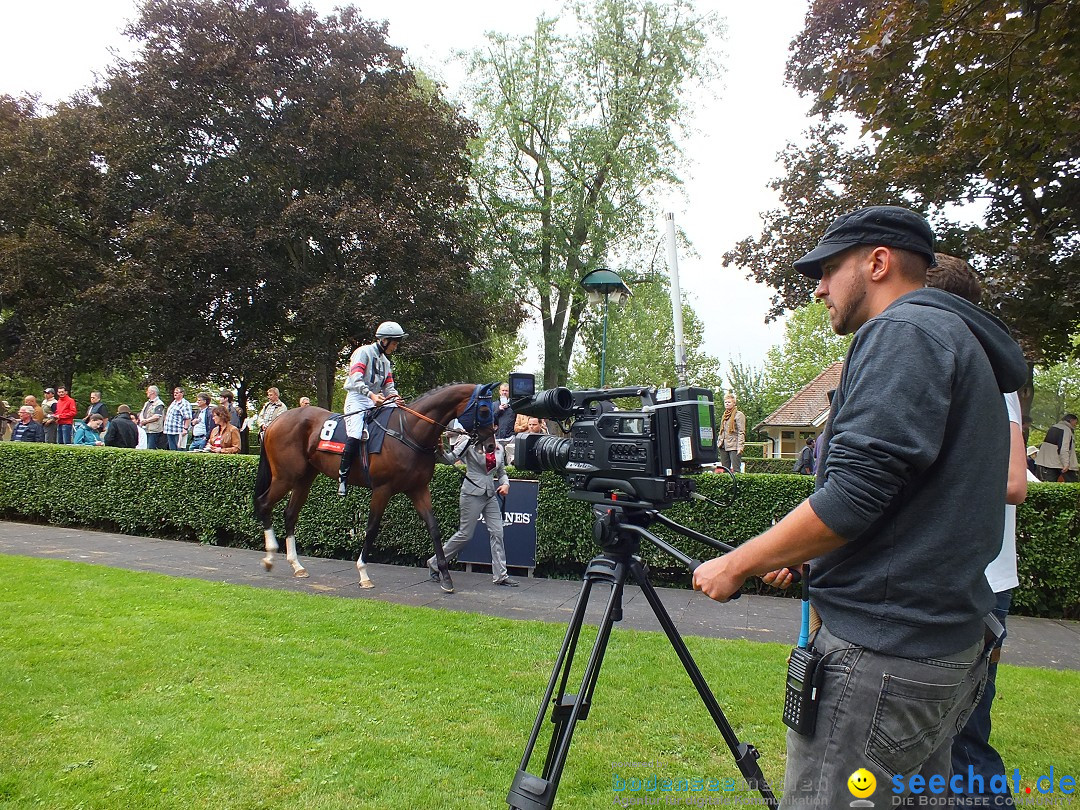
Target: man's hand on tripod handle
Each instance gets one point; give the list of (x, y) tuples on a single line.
[(783, 578), (772, 555)]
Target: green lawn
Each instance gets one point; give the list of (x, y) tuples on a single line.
[(128, 690)]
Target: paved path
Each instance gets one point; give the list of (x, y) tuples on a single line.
[(1031, 642)]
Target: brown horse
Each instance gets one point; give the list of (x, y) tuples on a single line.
[(290, 461)]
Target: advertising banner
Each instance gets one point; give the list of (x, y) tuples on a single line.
[(519, 529)]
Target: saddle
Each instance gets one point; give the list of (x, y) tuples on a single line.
[(332, 436)]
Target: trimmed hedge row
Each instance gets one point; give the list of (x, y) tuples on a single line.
[(772, 466), (1048, 546), (206, 498)]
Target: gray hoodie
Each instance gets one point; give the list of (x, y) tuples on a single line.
[(913, 476)]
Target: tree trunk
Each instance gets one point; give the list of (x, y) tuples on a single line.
[(324, 382), (1027, 396), (556, 368)]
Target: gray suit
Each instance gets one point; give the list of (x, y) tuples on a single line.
[(478, 497)]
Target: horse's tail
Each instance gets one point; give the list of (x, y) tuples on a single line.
[(262, 479)]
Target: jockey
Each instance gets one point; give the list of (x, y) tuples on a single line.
[(370, 383)]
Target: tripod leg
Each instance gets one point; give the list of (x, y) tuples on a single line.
[(746, 755), (570, 709), (529, 792)]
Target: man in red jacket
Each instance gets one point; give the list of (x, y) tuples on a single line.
[(65, 416)]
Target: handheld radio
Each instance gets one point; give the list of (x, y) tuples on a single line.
[(801, 691)]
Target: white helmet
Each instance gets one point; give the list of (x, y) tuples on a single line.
[(391, 330)]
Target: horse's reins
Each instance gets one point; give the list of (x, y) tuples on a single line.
[(403, 436), (407, 409), (429, 420), (408, 441)]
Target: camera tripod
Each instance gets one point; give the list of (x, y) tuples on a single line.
[(619, 533)]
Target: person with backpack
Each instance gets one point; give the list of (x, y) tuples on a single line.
[(806, 463), (1056, 459)]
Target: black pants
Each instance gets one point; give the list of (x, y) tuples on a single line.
[(1050, 474)]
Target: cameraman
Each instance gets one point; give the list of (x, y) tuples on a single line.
[(906, 514)]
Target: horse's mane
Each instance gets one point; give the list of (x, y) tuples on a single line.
[(435, 391)]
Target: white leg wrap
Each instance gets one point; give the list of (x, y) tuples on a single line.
[(271, 547), (365, 580), (290, 555)]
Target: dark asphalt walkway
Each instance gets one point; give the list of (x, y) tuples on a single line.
[(1032, 642)]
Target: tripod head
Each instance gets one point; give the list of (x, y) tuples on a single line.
[(620, 530)]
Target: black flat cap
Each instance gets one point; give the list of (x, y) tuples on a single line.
[(887, 225)]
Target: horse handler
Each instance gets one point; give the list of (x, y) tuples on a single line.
[(370, 383), (480, 495)]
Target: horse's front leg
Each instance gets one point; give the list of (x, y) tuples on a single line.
[(379, 498), (369, 536), (294, 560), (290, 550), (422, 501), (271, 548)]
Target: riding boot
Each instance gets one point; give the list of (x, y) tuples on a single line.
[(352, 450)]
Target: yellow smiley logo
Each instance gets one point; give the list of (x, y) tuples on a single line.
[(861, 783)]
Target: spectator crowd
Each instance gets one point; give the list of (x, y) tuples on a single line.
[(201, 425)]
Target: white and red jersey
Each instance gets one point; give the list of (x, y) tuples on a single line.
[(370, 372)]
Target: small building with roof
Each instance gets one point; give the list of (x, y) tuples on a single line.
[(801, 417)]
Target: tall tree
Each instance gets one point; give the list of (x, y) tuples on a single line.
[(55, 239), (579, 129), (295, 184), (961, 103)]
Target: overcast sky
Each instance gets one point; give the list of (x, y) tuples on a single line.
[(54, 47)]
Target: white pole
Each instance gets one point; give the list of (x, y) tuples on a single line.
[(676, 301)]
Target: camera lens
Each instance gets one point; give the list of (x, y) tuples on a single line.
[(533, 451), (551, 453), (554, 403)]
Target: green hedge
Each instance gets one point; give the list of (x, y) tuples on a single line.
[(1048, 545), (772, 466), (205, 498)]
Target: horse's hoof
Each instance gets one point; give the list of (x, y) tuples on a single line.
[(267, 564), (301, 574), (367, 584), (447, 585)]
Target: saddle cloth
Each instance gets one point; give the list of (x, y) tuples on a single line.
[(332, 436)]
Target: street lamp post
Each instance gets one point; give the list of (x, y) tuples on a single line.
[(602, 285)]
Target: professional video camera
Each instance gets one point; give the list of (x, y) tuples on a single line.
[(624, 458)]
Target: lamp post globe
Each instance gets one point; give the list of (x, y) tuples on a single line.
[(602, 285)]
